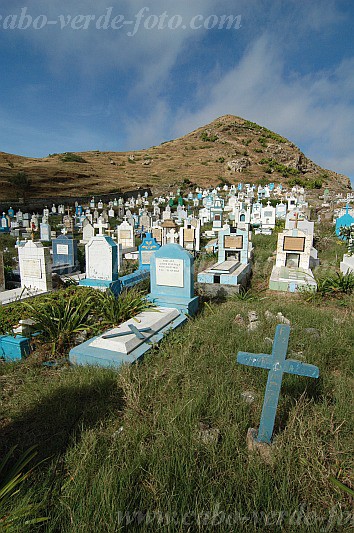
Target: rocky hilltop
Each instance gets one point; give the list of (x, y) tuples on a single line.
[(228, 150)]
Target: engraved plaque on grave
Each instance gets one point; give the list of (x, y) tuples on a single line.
[(31, 268), (169, 272), (146, 257), (233, 242), (62, 249), (189, 235), (294, 244), (124, 234)]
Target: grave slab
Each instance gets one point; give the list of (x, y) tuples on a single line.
[(128, 342)]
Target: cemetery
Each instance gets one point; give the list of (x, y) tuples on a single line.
[(166, 351)]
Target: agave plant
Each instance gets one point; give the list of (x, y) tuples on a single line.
[(12, 478), (336, 283), (62, 317), (128, 304)]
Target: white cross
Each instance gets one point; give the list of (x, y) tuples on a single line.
[(101, 226)]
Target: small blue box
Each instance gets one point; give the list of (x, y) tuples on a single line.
[(14, 348)]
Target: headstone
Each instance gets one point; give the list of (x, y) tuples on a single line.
[(292, 268), (45, 232), (103, 259), (35, 267), (172, 279), (277, 364), (64, 254), (88, 231), (125, 234), (146, 249)]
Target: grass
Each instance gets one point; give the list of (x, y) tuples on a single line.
[(131, 450)]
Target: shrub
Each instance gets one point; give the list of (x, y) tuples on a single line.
[(206, 138), (117, 310), (21, 181), (69, 157)]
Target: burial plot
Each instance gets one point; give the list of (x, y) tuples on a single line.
[(125, 233), (171, 291), (103, 259), (172, 279), (190, 235), (88, 231), (292, 268), (345, 221), (233, 268), (35, 267), (45, 232), (64, 255), (147, 248)]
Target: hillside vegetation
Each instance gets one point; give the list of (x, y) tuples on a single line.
[(228, 150)]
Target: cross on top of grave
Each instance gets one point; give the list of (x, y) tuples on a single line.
[(133, 330), (101, 226), (277, 364)]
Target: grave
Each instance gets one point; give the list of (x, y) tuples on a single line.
[(45, 232), (125, 233), (233, 269), (292, 268), (172, 279), (190, 235), (64, 255), (128, 342), (103, 260), (277, 364), (35, 268), (345, 221), (146, 249), (88, 231)]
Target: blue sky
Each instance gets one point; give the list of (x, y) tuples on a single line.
[(288, 65)]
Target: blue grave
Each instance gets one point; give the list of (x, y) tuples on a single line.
[(14, 348), (345, 220), (277, 364), (147, 248), (102, 264), (64, 255), (234, 266)]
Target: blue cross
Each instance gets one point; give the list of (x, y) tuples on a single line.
[(277, 364), (133, 329)]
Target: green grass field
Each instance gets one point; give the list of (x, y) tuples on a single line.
[(161, 446)]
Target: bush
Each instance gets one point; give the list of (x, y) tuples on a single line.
[(69, 157), (206, 138), (21, 181)]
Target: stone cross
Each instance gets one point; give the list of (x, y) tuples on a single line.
[(133, 329), (101, 226), (277, 364)]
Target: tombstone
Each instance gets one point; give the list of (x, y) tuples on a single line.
[(103, 260), (145, 222), (92, 203), (100, 205), (4, 224), (280, 211), (344, 221), (277, 364), (88, 231), (190, 235), (157, 234), (233, 269), (146, 249), (54, 210), (172, 279), (11, 212), (292, 268), (268, 216), (125, 233), (35, 267), (2, 272), (46, 212), (45, 232), (64, 255), (111, 213)]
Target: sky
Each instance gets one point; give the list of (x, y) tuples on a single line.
[(125, 75)]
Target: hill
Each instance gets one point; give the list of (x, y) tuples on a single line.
[(228, 150)]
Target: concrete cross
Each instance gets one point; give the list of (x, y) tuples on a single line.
[(277, 364), (133, 329), (101, 226)]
